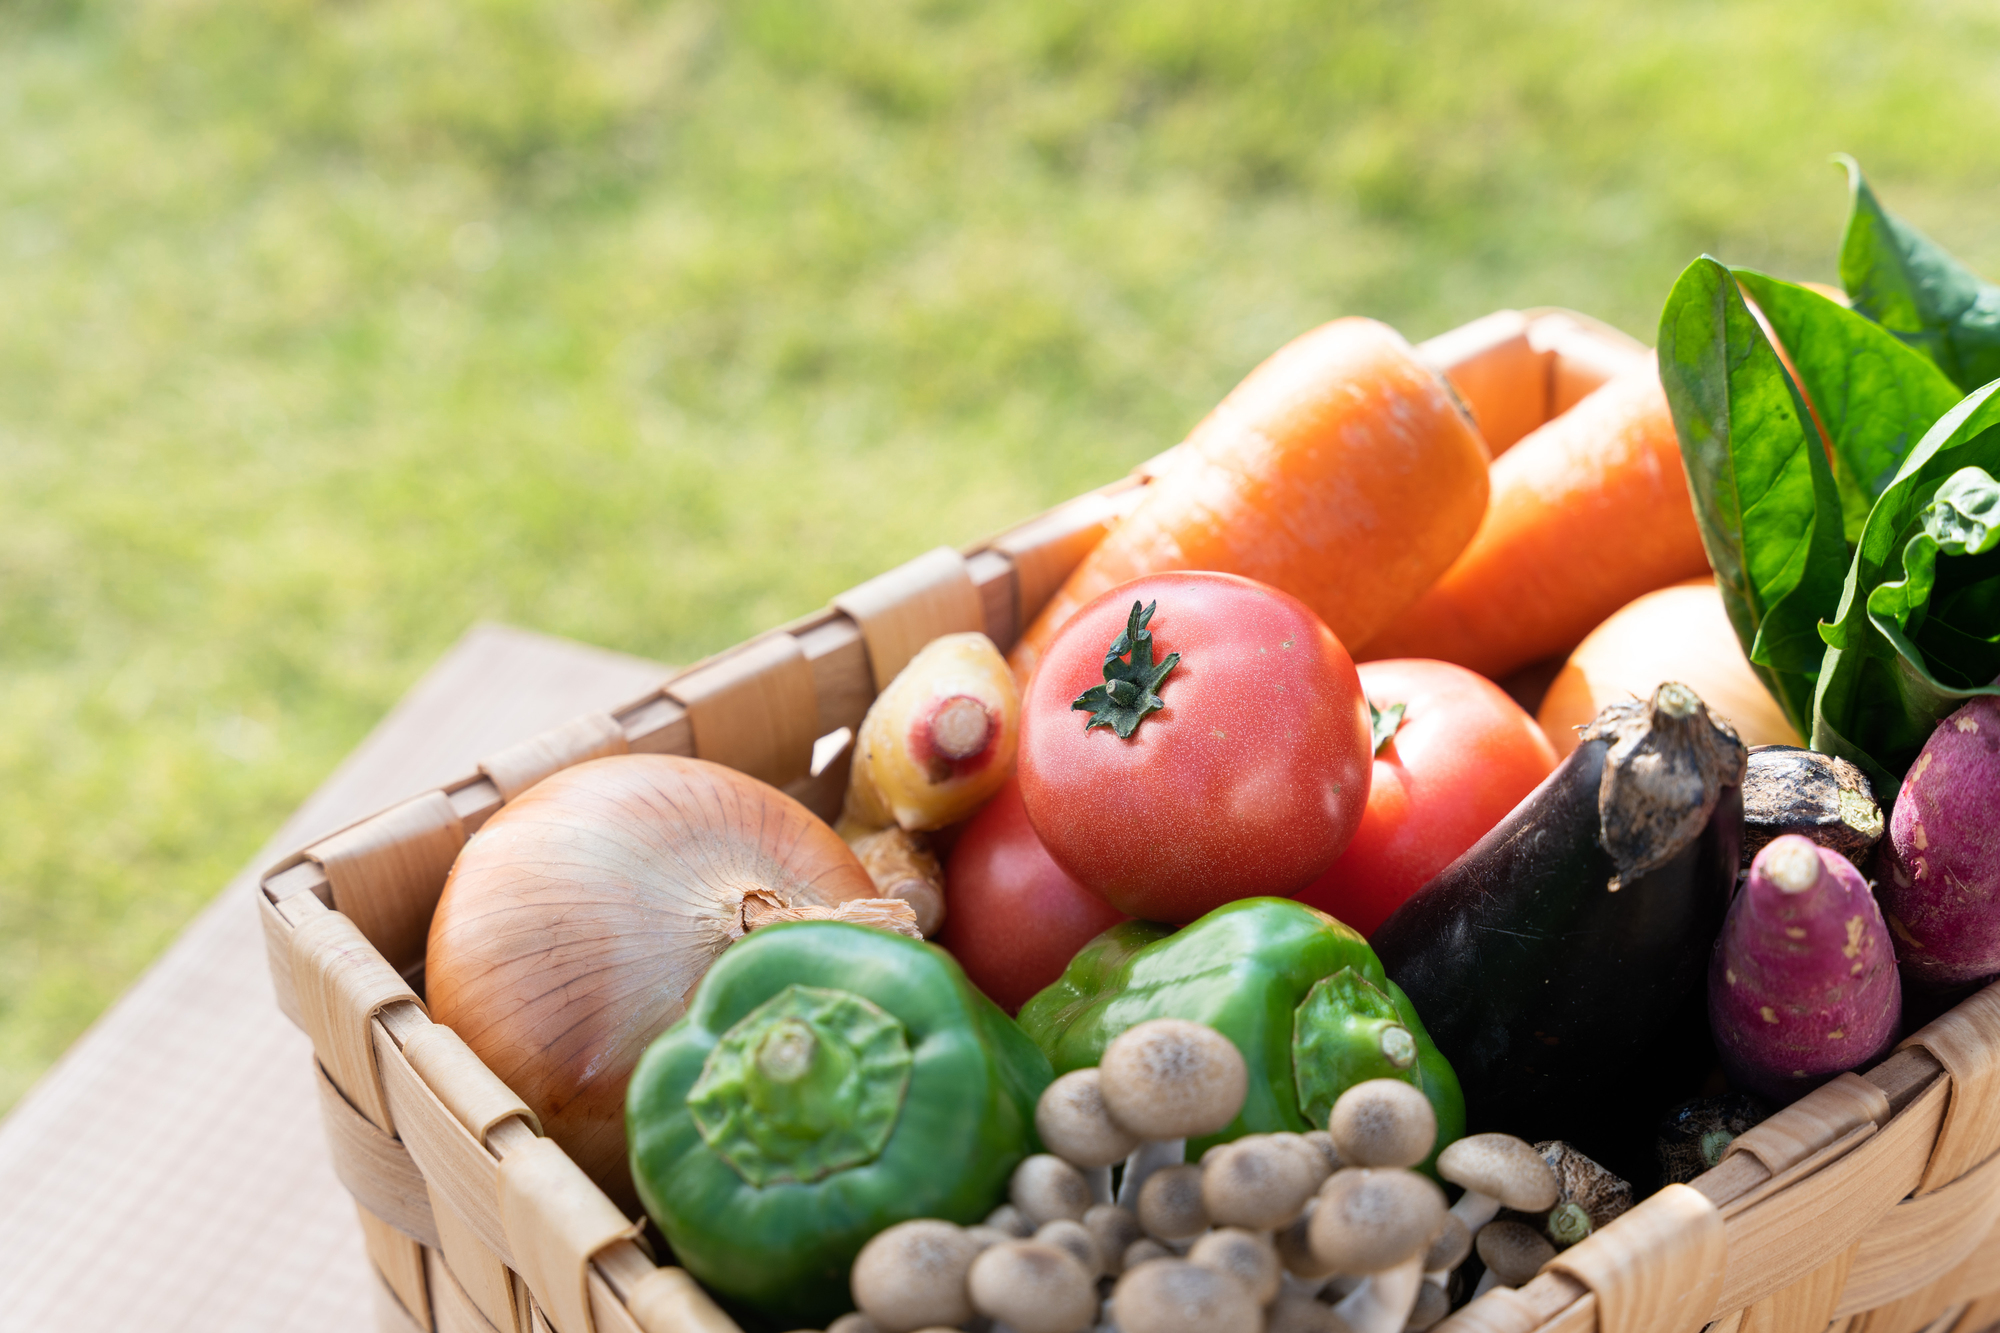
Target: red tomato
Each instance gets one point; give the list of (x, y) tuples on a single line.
[(1250, 779), (1464, 756), (1013, 918)]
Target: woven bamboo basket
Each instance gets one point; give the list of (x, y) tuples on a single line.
[(1867, 1205)]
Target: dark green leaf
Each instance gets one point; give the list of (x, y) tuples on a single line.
[(1763, 492), (1915, 636), (1875, 396), (1382, 723), (1128, 693), (1906, 282)]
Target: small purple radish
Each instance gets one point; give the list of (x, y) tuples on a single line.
[(1940, 865), (1802, 984)]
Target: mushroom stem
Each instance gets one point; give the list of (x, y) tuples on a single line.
[(1475, 1209), (1382, 1304), (1144, 1161), (1487, 1282), (1100, 1183)]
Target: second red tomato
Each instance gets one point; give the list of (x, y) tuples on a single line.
[(1464, 755)]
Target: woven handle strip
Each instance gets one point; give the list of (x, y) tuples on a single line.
[(1966, 1041), (556, 1218), (1657, 1268), (463, 1176), (1804, 1306), (469, 1090), (1823, 1117), (1921, 1239), (387, 872), (341, 983), (375, 1168), (451, 1306), (901, 611), (521, 765), (485, 1282), (1790, 1233), (1044, 550), (397, 1258), (754, 709), (667, 1300)]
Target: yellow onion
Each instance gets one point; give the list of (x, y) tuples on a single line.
[(578, 920), (1677, 633)]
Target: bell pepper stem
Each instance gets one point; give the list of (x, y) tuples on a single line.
[(1382, 1303), (1144, 1161)]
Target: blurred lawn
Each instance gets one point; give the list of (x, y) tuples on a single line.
[(332, 327)]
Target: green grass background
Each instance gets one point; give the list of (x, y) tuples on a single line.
[(329, 326)]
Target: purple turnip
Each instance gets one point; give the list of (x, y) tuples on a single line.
[(1803, 983), (1940, 865)]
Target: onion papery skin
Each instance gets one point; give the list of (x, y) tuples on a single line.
[(578, 920)]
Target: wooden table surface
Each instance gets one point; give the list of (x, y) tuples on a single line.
[(170, 1172)]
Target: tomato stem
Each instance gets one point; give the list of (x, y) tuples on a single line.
[(1128, 692), (1382, 724)]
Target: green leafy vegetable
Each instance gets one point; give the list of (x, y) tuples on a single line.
[(1905, 281), (1915, 635), (1874, 396), (1382, 724), (1128, 692), (1763, 492)]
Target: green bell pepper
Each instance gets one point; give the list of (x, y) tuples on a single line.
[(827, 1081), (1302, 996)]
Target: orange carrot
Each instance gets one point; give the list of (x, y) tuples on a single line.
[(1337, 471), (1587, 513)]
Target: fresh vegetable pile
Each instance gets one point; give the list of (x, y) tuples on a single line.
[(1173, 974)]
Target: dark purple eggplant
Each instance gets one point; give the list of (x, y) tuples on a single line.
[(1559, 963)]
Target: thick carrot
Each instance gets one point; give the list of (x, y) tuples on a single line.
[(1338, 471), (1587, 513)]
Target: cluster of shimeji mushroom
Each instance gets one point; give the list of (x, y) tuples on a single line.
[(1324, 1232)]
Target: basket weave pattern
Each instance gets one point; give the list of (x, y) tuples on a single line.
[(1866, 1205)]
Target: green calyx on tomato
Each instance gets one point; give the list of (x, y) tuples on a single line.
[(1128, 692), (1382, 724)]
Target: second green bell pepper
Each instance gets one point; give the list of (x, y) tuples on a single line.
[(827, 1081), (1302, 996)]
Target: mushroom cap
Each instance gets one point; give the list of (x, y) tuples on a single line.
[(1075, 1240), (1045, 1187), (1247, 1256), (1168, 1078), (913, 1275), (1075, 1125), (1294, 1245), (1008, 1218), (1143, 1251), (1502, 1167), (1033, 1288), (1259, 1182), (1513, 1251), (1371, 1218), (1296, 1312), (1175, 1296), (1431, 1306), (982, 1235), (1382, 1122), (1449, 1247), (1170, 1206), (1114, 1229), (855, 1322), (1323, 1143)]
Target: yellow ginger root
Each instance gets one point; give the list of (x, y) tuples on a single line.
[(934, 747)]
